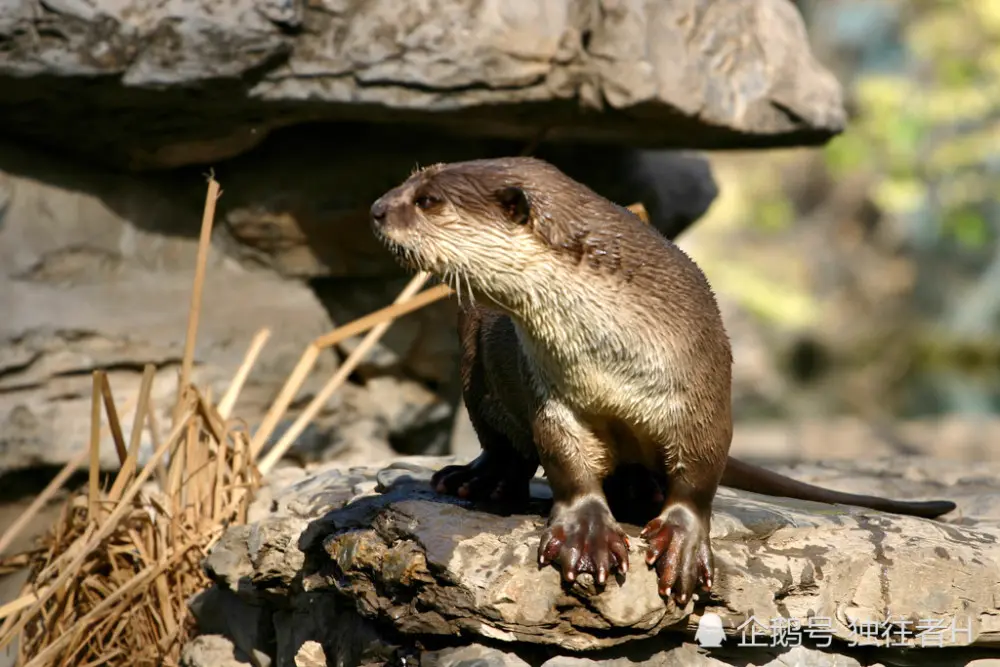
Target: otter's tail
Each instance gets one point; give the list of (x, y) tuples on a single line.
[(748, 477)]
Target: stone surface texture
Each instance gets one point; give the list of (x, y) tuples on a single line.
[(158, 84), (375, 547)]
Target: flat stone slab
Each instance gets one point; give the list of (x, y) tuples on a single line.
[(788, 570), (147, 85)]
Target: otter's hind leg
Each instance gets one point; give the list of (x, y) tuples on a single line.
[(503, 472), (499, 474), (677, 540), (581, 535)]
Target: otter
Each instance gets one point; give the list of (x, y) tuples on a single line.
[(590, 343)]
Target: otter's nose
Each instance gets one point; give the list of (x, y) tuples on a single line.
[(379, 209)]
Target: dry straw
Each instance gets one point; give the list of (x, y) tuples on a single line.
[(110, 581)]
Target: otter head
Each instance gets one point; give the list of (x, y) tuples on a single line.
[(477, 224)]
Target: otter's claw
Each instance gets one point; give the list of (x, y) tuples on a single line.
[(678, 546), (584, 539)]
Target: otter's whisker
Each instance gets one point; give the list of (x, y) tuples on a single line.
[(468, 283), (449, 278), (458, 286)]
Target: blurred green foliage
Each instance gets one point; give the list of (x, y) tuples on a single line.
[(930, 135), (904, 297), (774, 213)]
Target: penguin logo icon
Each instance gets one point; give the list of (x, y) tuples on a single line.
[(710, 633)]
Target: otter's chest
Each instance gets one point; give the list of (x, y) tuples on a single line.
[(606, 380)]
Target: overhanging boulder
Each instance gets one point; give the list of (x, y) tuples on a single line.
[(148, 85)]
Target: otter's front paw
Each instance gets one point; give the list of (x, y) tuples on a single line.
[(489, 477), (678, 544), (584, 537)]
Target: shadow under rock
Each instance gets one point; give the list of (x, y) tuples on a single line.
[(629, 491)]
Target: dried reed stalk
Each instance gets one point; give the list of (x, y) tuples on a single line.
[(338, 378), (640, 211), (201, 263), (406, 302), (111, 581)]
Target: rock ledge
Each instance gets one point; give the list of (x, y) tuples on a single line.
[(377, 550), (150, 85)]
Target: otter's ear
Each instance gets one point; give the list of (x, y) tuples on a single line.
[(515, 204)]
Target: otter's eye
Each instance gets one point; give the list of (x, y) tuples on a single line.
[(424, 202)]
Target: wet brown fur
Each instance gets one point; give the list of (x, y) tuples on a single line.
[(589, 340)]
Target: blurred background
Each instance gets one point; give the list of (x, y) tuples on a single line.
[(873, 262), (833, 166), (866, 273)]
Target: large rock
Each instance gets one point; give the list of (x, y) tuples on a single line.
[(379, 550), (148, 85), (96, 272)]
